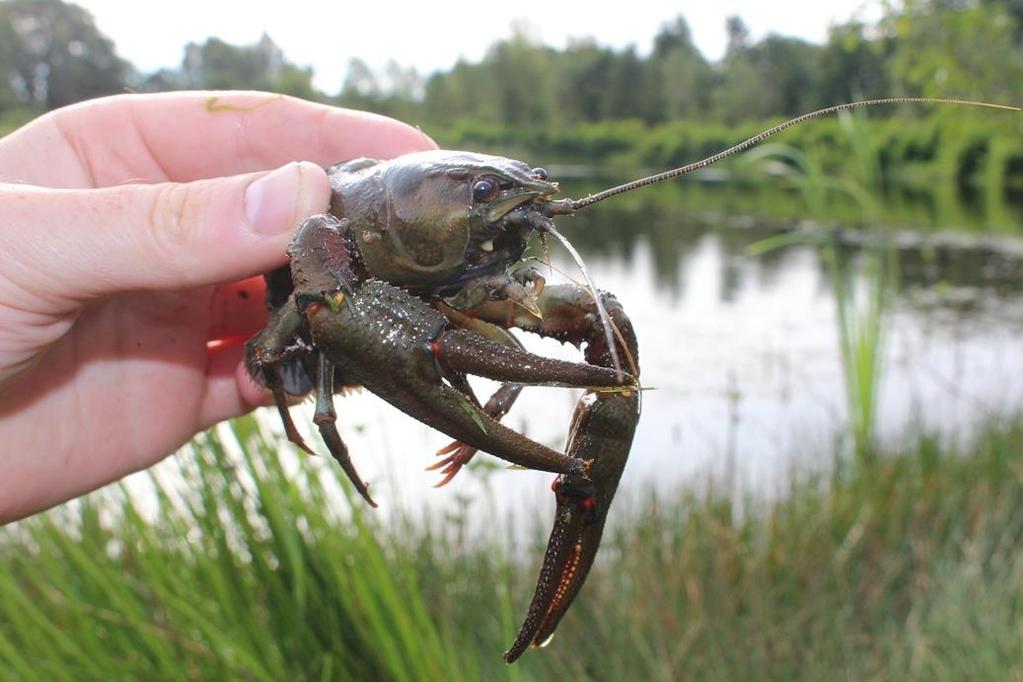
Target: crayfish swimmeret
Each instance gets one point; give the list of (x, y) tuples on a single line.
[(410, 283)]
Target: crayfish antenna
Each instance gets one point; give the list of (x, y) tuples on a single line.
[(605, 319)]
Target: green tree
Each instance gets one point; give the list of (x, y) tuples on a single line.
[(361, 84), (52, 54), (443, 97), (967, 49), (398, 93), (630, 89), (787, 68), (164, 80), (774, 77), (683, 77), (218, 65), (468, 91), (739, 91), (582, 80), (738, 36), (852, 66), (522, 70), (9, 46), (1014, 8)]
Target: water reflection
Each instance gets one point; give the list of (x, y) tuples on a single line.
[(743, 355), (673, 224)]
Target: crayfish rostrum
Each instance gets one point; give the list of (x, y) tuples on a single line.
[(410, 283)]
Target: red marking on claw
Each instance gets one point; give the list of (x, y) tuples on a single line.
[(567, 574)]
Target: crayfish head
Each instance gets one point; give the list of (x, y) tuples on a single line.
[(433, 220), (503, 199)]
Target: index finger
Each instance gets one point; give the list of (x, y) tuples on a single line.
[(185, 136)]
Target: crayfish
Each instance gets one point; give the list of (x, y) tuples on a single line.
[(410, 283)]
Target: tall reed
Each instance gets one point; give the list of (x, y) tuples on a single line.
[(861, 312)]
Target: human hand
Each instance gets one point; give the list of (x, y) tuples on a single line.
[(132, 229)]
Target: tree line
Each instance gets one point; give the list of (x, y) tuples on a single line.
[(52, 54)]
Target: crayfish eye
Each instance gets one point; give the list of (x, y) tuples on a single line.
[(484, 190), (540, 173)]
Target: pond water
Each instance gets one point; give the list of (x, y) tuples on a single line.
[(741, 354)]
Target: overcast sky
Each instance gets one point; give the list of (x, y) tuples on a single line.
[(325, 34)]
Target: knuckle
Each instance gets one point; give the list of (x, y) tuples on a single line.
[(174, 220)]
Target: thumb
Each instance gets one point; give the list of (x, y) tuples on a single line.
[(78, 244)]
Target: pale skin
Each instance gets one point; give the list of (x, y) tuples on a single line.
[(132, 233)]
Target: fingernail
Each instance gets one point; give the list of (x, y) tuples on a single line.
[(271, 202)]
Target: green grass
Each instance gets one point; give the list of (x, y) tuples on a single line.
[(907, 566)]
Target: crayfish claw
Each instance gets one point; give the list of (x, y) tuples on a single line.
[(292, 432), (601, 435)]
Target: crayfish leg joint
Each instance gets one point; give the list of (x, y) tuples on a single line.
[(334, 300)]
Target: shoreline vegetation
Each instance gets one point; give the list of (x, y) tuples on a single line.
[(952, 147), (900, 566)]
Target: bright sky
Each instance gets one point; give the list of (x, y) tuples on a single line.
[(325, 34)]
